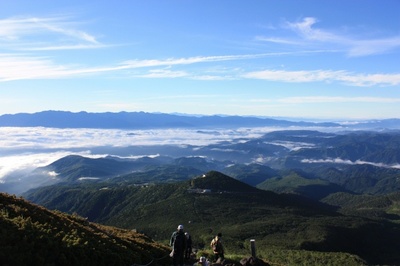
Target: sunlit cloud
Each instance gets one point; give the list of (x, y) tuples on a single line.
[(312, 36)]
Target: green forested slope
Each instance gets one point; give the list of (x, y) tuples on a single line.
[(215, 202)]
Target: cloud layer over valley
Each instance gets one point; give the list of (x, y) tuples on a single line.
[(24, 149)]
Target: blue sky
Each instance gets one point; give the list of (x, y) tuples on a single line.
[(308, 59)]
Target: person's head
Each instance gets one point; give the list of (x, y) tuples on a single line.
[(219, 235), (180, 227)]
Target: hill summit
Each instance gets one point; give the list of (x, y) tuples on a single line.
[(218, 182)]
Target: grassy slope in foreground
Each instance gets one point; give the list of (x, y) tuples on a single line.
[(33, 235)]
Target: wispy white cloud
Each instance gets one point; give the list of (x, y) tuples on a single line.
[(312, 36), (370, 79), (278, 40), (163, 73), (326, 76), (65, 47), (377, 46), (305, 29), (212, 77), (187, 60), (55, 33), (294, 76), (19, 67)]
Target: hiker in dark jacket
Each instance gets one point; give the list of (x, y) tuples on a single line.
[(178, 244)]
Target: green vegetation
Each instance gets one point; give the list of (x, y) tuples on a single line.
[(33, 235), (289, 229), (371, 206)]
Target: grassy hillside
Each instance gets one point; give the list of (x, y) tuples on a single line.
[(33, 235)]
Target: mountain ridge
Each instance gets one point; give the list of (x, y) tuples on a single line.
[(135, 120), (145, 120)]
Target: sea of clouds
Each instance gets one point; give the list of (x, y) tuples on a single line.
[(26, 148), (23, 149)]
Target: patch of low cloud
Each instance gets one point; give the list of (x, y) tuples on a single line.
[(88, 178), (349, 162), (292, 145)]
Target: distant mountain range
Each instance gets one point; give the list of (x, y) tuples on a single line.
[(142, 120)]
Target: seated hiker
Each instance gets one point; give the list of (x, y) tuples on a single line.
[(217, 248)]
